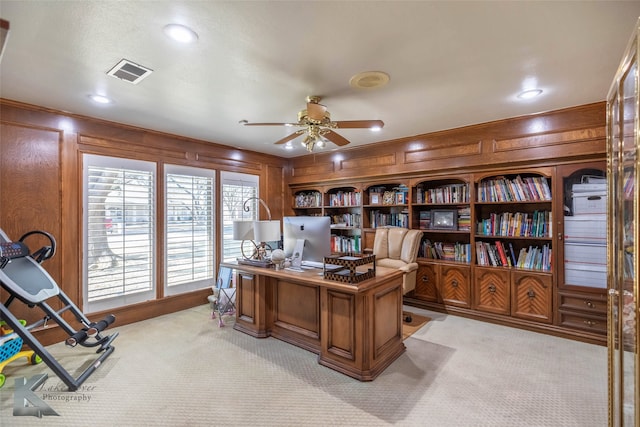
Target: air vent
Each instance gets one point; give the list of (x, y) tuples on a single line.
[(129, 71)]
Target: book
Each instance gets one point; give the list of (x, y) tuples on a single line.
[(501, 252), (513, 255)]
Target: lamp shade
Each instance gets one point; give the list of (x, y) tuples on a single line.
[(243, 230), (266, 231)]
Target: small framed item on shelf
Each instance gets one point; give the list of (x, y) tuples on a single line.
[(444, 219), (375, 198), (389, 198)]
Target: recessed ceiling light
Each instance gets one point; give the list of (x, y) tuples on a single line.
[(100, 99), (288, 146), (180, 33), (528, 94), (375, 129)]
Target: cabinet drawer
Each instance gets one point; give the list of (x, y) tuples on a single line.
[(587, 322), (596, 304)]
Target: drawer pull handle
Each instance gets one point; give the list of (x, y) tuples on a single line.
[(589, 304), (531, 294), (492, 288), (425, 279), (591, 322), (454, 283)]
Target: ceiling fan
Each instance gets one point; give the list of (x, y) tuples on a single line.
[(316, 123)]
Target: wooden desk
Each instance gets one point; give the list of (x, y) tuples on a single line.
[(355, 329)]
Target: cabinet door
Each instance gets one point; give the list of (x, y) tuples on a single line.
[(581, 226), (492, 290), (427, 282), (531, 296), (623, 136), (455, 284)]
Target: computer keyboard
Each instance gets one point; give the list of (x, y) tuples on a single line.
[(314, 264)]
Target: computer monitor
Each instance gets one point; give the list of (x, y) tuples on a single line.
[(315, 231)]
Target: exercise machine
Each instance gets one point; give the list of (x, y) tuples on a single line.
[(22, 276)]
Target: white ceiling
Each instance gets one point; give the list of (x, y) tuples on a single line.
[(451, 63)]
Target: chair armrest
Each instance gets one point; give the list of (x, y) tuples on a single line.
[(412, 266)]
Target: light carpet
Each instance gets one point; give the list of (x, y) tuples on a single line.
[(183, 370)]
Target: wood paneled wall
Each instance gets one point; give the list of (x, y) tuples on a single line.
[(40, 171), (547, 138), (41, 188)]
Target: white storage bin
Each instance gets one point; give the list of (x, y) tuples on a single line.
[(589, 202), (591, 275), (586, 253), (586, 229)]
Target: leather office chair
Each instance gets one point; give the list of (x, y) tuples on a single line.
[(396, 247)]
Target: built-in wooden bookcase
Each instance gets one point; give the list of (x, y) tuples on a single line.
[(496, 245), (441, 208), (581, 298), (513, 231), (344, 206), (386, 204)]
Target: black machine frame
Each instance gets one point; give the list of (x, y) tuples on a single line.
[(22, 276)]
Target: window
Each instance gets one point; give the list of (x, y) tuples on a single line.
[(119, 237), (236, 188), (190, 229)]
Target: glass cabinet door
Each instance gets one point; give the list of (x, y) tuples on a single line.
[(622, 133)]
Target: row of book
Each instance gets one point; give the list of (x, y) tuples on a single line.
[(346, 220), (497, 254), (311, 199), (345, 198), (460, 252), (517, 224), (380, 219), (345, 244), (518, 189), (453, 193)]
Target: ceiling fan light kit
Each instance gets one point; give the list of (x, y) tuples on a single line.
[(316, 122)]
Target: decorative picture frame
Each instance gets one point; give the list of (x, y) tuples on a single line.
[(389, 198), (375, 198), (444, 219)]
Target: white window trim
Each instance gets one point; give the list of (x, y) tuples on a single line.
[(198, 284), (128, 299)]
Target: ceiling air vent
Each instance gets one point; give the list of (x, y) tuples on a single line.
[(129, 71)]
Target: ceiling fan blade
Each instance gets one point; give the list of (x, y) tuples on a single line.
[(335, 138), (359, 124), (316, 111), (272, 124), (290, 137)]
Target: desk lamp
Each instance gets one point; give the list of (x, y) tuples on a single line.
[(256, 231)]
